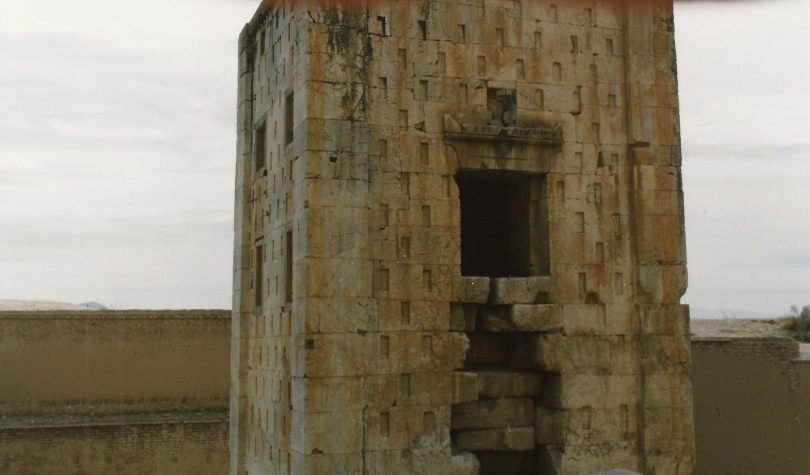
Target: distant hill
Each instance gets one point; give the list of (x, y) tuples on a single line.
[(40, 305)]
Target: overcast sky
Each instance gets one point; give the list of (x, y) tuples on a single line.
[(117, 145)]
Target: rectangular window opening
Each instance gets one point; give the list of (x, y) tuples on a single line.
[(504, 223), (288, 287), (288, 119), (261, 146), (258, 288)]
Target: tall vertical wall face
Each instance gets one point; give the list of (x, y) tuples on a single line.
[(459, 242)]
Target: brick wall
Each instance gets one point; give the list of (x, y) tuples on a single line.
[(752, 406), (102, 392)]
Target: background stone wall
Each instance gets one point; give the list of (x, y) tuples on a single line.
[(102, 392), (752, 406)]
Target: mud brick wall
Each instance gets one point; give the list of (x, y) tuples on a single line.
[(459, 241), (752, 400), (102, 392)]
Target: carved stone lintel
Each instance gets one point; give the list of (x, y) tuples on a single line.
[(453, 129)]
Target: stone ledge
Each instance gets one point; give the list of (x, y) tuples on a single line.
[(213, 314), (453, 129), (57, 421)]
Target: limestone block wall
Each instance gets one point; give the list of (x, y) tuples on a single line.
[(101, 392), (459, 241)]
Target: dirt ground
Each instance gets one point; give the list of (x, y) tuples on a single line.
[(737, 328)]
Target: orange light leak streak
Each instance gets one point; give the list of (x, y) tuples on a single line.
[(416, 3)]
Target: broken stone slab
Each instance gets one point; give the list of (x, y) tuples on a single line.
[(467, 289), (519, 290), (498, 384), (505, 438), (492, 413)]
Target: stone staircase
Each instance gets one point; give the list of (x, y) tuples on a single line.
[(509, 420)]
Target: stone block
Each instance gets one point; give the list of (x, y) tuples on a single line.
[(465, 387), (536, 318), (599, 458), (584, 319), (592, 426), (621, 319), (326, 432), (665, 319), (463, 317), (498, 384), (470, 289), (665, 354), (572, 390), (555, 352), (507, 439), (672, 389), (519, 290), (491, 413), (464, 463), (325, 464), (549, 427)]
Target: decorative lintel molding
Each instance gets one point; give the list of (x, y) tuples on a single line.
[(551, 136)]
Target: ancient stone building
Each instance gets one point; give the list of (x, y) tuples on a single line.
[(459, 241)]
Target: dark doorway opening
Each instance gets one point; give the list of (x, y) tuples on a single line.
[(503, 224)]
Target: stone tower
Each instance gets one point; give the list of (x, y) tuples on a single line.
[(459, 241)]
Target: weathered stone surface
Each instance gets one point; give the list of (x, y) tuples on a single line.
[(470, 289), (509, 438), (490, 413), (536, 318), (464, 463), (549, 426), (498, 384), (519, 290), (465, 387), (554, 352), (463, 317)]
